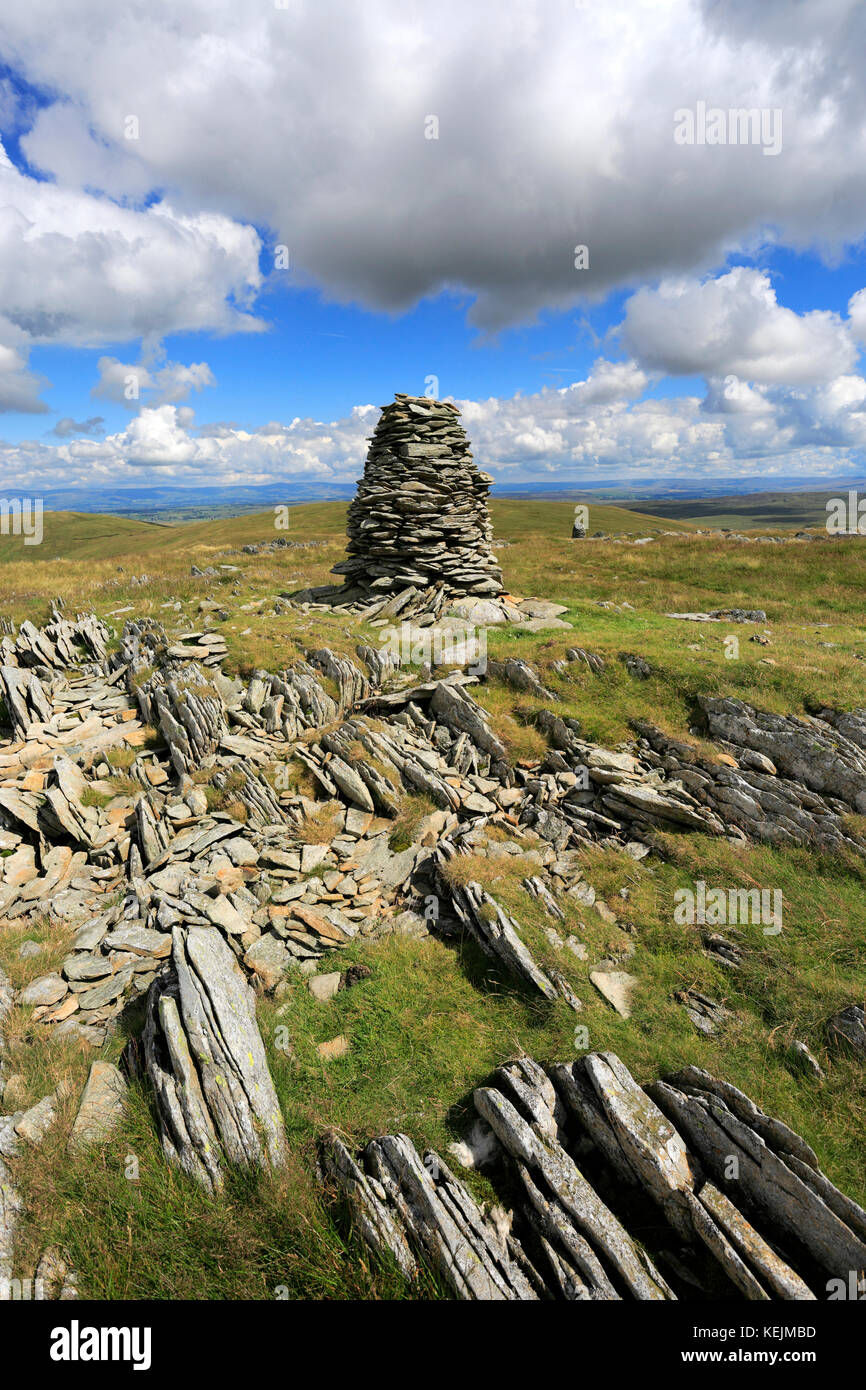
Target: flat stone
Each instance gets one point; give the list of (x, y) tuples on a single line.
[(101, 1107), (269, 959), (541, 608), (317, 923), (63, 1010), (35, 1123), (48, 989), (84, 966), (324, 987), (481, 612), (616, 987), (357, 822), (140, 941), (544, 624), (240, 851), (312, 856), (106, 993), (221, 912)]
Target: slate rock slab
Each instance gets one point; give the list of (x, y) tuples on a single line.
[(206, 1060)]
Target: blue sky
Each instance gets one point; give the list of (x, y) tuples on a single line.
[(432, 186), (319, 359)]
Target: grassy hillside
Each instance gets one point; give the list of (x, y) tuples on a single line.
[(617, 595), (435, 1018), (87, 535), (84, 535)]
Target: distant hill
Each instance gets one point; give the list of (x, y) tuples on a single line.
[(84, 536), (756, 509), (149, 502), (165, 503), (90, 536)]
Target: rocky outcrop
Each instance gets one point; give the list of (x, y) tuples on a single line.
[(589, 1251), (415, 1209), (420, 515), (784, 779), (497, 934), (761, 1164), (197, 896), (245, 868), (189, 712), (57, 645), (770, 1227), (582, 792), (804, 749), (24, 698)]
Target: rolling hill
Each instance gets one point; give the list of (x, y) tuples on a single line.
[(89, 535)]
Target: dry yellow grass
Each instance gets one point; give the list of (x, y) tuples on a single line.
[(320, 829)]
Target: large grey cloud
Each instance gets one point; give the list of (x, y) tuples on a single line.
[(555, 128)]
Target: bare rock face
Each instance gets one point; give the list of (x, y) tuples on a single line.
[(191, 715), (420, 515), (778, 1183), (786, 779), (206, 1060)]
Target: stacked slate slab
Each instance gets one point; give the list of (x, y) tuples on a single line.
[(420, 515)]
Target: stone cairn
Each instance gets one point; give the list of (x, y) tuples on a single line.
[(420, 517)]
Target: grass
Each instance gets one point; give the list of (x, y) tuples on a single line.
[(225, 796), (413, 809), (120, 757), (92, 796), (320, 828), (436, 1017), (429, 1025)]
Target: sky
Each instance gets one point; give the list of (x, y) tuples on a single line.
[(230, 233)]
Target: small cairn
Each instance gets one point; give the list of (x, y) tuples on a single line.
[(420, 517)]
